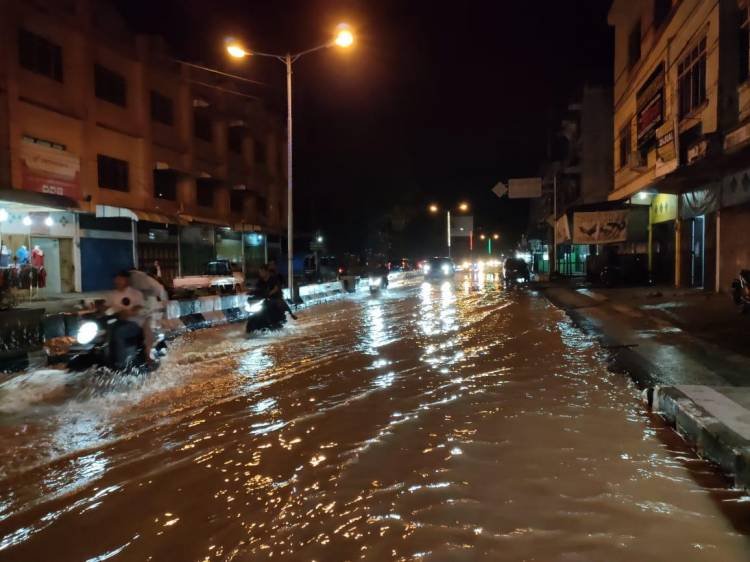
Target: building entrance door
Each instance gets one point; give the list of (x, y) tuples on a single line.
[(51, 249), (697, 250)]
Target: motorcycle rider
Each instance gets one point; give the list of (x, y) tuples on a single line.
[(155, 299), (127, 303), (278, 281)]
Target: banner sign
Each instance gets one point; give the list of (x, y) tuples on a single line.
[(462, 226), (525, 188), (562, 230), (650, 106), (50, 170), (666, 153), (600, 227)]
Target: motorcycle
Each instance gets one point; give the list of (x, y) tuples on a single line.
[(91, 347), (377, 282), (264, 314), (741, 291)]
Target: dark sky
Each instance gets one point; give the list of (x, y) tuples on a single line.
[(438, 100)]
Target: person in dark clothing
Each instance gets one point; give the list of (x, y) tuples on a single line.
[(278, 282)]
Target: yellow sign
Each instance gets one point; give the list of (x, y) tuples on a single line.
[(663, 208)]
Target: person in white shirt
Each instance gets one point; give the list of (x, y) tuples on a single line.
[(127, 304)]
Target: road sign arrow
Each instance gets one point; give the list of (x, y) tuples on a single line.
[(500, 189)]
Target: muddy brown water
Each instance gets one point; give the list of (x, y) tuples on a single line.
[(435, 422)]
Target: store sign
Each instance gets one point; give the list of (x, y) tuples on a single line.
[(600, 227), (50, 170), (663, 208), (562, 230), (666, 152), (697, 151), (650, 106)]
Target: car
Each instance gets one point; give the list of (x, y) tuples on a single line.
[(439, 268), (516, 271)]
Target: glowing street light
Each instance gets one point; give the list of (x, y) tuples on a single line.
[(343, 38), (463, 207), (434, 208), (496, 237), (482, 237)]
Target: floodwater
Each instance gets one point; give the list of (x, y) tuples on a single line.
[(436, 422)]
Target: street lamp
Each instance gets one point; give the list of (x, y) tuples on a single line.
[(463, 207), (343, 38)]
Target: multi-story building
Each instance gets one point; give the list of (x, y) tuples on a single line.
[(114, 154), (682, 135), (580, 167)]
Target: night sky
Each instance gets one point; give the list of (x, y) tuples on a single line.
[(438, 101)]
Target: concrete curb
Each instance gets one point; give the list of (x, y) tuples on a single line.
[(712, 439)]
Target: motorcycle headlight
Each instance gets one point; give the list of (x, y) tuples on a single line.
[(426, 268), (375, 281), (254, 308), (87, 332), (446, 269)]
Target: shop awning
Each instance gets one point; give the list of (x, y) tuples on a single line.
[(204, 220), (37, 199), (108, 212), (159, 218)]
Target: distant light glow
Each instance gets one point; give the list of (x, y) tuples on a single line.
[(48, 221), (26, 220), (3, 215)]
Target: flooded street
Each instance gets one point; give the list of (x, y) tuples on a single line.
[(434, 422)]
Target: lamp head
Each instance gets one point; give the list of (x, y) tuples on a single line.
[(344, 37)]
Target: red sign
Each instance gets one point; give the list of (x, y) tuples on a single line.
[(50, 170)]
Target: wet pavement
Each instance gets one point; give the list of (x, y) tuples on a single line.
[(435, 422)]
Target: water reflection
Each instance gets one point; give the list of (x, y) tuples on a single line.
[(451, 423)]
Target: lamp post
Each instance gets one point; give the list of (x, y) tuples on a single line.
[(343, 38), (434, 208)]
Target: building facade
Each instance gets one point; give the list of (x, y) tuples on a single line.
[(682, 133), (113, 154), (579, 170)]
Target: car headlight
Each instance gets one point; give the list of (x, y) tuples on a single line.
[(426, 268), (254, 308), (446, 269), (87, 332), (520, 279)]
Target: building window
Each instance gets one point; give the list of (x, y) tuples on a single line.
[(203, 127), (205, 192), (634, 45), (260, 152), (744, 43), (625, 145), (113, 173), (162, 109), (165, 184), (235, 136), (110, 86), (37, 54), (237, 201), (692, 79), (661, 11)]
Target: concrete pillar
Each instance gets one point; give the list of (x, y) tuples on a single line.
[(717, 284), (677, 252)]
